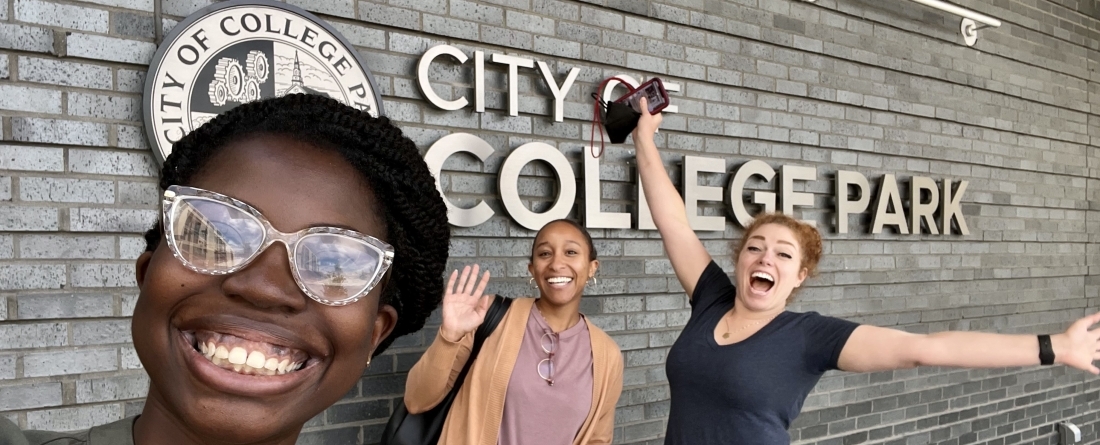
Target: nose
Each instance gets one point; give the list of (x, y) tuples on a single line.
[(267, 282), (558, 261), (767, 258)]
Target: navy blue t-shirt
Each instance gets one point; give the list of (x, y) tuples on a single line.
[(747, 392)]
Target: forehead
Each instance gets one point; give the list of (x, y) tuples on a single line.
[(560, 232), (295, 184), (775, 233)]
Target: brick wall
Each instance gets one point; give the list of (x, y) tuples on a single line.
[(874, 86)]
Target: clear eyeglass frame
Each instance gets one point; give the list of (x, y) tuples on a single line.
[(548, 373), (176, 193)]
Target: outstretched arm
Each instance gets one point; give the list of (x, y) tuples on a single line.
[(873, 348), (688, 256)]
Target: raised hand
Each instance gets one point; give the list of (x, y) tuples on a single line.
[(464, 306), (647, 123), (1080, 347)]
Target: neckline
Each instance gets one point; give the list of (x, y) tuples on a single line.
[(545, 326), (754, 335)]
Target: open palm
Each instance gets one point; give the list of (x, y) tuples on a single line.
[(1082, 345), (464, 306)]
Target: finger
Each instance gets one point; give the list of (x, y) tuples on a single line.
[(462, 279), (644, 105), (469, 284), (484, 303), (1094, 370), (1094, 319), (481, 286), (451, 282)]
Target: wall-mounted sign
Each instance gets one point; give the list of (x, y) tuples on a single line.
[(929, 207), (238, 51)]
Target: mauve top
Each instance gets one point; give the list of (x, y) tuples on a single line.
[(534, 409)]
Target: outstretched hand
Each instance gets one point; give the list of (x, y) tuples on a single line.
[(464, 306), (1081, 346), (647, 123)]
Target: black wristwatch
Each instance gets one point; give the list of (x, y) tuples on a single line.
[(1046, 351)]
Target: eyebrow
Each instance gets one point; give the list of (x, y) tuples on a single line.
[(548, 242), (778, 241)]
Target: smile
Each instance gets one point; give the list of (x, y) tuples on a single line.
[(761, 282), (251, 376), (247, 357), (559, 280)]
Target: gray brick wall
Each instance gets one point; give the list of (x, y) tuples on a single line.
[(872, 86)]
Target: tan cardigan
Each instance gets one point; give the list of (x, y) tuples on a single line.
[(479, 406)]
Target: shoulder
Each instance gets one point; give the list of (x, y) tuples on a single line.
[(520, 305), (10, 434), (713, 281), (817, 323)]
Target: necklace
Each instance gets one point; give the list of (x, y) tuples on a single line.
[(742, 328)]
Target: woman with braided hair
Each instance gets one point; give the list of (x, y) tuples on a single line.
[(243, 340)]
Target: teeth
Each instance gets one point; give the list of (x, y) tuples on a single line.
[(763, 276), (557, 280), (243, 361), (256, 360), (238, 356)]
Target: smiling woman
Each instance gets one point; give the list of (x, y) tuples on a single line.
[(546, 372), (743, 366), (245, 341)]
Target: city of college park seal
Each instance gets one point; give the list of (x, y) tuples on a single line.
[(239, 51)]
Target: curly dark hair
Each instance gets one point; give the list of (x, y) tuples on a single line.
[(415, 215)]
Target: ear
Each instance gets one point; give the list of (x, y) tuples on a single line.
[(141, 267), (595, 266), (384, 323), (802, 275), (531, 269)]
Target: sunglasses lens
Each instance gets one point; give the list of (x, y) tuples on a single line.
[(336, 267), (214, 236)]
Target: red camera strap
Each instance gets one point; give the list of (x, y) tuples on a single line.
[(597, 122)]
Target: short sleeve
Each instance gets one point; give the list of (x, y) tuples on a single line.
[(825, 339), (713, 286)]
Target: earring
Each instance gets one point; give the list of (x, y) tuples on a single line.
[(531, 282), (593, 280)]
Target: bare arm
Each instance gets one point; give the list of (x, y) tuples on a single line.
[(872, 348), (688, 256)]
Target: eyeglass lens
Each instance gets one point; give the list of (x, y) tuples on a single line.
[(217, 237), (546, 366)]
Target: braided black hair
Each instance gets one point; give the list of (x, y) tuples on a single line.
[(415, 215)]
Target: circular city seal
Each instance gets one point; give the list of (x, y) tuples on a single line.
[(239, 51)]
